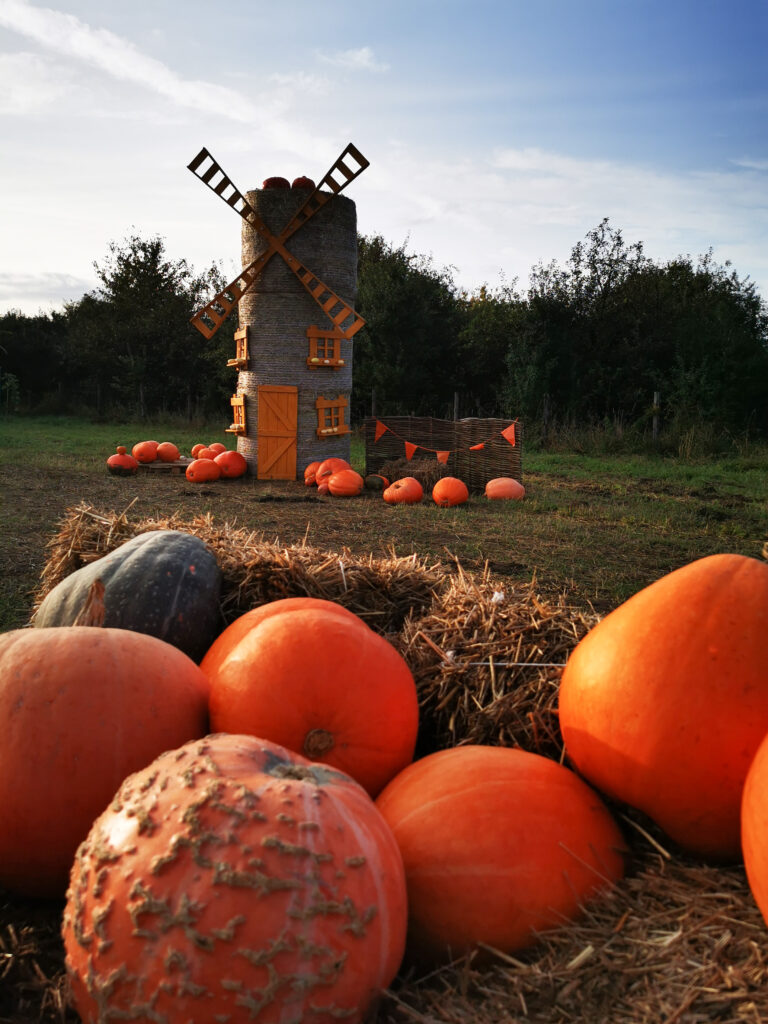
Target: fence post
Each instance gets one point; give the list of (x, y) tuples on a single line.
[(455, 405), (656, 407)]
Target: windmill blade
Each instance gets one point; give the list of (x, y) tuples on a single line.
[(339, 312), (212, 174), (336, 178), (210, 318)]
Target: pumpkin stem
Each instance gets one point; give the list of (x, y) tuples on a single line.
[(93, 611), (317, 742)]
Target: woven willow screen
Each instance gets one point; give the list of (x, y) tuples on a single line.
[(497, 457)]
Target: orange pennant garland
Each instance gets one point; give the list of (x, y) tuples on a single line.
[(442, 456), (508, 433), (477, 447), (380, 429), (409, 450)]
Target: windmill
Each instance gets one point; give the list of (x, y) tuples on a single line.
[(294, 342)]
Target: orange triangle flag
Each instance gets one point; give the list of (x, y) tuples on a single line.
[(477, 447), (380, 429), (442, 456), (508, 433), (410, 449)]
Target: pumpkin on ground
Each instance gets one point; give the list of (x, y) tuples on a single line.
[(406, 491), (167, 452), (232, 880), (498, 845), (321, 683), (80, 708), (665, 702), (122, 464), (754, 827), (202, 471), (231, 463), (504, 487), (345, 484), (376, 482), (309, 473), (145, 451), (450, 491), (217, 447), (330, 466), (322, 485), (166, 583)]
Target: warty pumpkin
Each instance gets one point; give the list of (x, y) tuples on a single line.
[(232, 880), (450, 491), (321, 683), (406, 491), (166, 583), (665, 702), (81, 707), (498, 844)]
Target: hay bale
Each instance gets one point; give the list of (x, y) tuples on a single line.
[(426, 471)]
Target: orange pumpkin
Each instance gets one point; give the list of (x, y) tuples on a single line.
[(322, 485), (167, 452), (502, 487), (231, 463), (80, 708), (321, 684), (498, 845), (406, 491), (665, 702), (202, 471), (122, 464), (207, 453), (309, 473), (145, 451), (754, 827), (232, 880), (241, 626), (345, 483), (330, 466), (449, 491), (196, 449), (217, 447)]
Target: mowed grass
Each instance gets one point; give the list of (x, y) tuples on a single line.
[(598, 527)]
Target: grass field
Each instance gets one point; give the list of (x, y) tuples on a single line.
[(600, 527)]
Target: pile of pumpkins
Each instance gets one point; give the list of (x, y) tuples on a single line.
[(335, 476), (209, 462), (242, 824)]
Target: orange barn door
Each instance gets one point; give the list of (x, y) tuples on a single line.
[(276, 432)]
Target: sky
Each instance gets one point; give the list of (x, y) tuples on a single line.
[(499, 132)]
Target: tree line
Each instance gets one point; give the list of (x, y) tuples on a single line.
[(588, 342)]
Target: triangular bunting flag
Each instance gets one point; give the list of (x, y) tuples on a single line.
[(477, 447), (508, 433), (442, 456), (380, 429), (409, 450)]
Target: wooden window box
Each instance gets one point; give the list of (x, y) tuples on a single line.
[(238, 415), (242, 358), (331, 417), (325, 348)]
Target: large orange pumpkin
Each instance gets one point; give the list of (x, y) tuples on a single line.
[(502, 487), (405, 491), (345, 483), (754, 827), (449, 491), (231, 463), (80, 708), (330, 466), (309, 473), (320, 683), (498, 844), (664, 703), (167, 452), (202, 470), (232, 880), (122, 464), (145, 451)]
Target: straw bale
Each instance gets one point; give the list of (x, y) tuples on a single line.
[(382, 591), (487, 663), (426, 471)]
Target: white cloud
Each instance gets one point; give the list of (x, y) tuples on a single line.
[(361, 59), (68, 36), (30, 84), (33, 293), (755, 165)]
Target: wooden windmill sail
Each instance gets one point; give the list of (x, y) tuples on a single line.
[(294, 380)]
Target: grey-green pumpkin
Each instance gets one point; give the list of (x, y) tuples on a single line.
[(163, 582)]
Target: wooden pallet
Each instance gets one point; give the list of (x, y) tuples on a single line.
[(179, 467)]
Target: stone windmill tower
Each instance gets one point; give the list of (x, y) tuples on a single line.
[(294, 341)]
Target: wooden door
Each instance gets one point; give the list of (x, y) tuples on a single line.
[(276, 432)]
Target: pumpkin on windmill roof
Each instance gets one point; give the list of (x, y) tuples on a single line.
[(293, 389)]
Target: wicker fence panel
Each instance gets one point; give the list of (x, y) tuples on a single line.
[(497, 458)]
